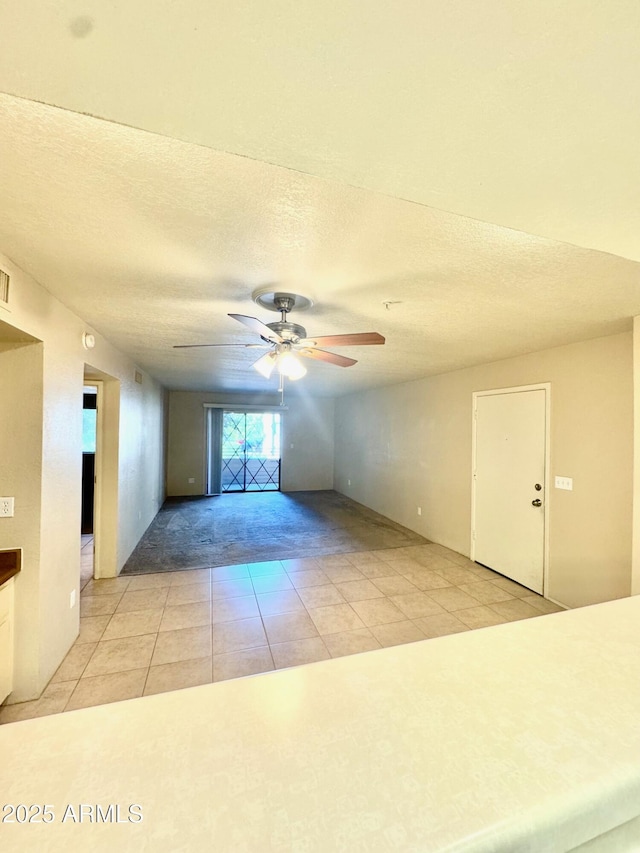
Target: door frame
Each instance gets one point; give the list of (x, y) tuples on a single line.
[(105, 501), (540, 386), (97, 492)]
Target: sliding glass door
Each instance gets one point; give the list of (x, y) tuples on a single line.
[(247, 447)]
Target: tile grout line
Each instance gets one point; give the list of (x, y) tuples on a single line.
[(269, 643), (155, 643), (91, 657), (111, 617), (264, 627)]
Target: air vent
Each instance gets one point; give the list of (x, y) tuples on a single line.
[(4, 287), (138, 376)]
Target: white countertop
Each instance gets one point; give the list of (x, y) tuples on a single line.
[(524, 736)]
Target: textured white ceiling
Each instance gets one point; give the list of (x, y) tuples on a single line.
[(153, 241), (522, 114)]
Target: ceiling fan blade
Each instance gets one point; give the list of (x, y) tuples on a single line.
[(329, 357), (245, 346), (362, 339), (258, 327)]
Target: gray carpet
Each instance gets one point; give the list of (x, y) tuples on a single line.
[(227, 529)]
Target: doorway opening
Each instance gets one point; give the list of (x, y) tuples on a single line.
[(89, 444), (244, 451), (106, 470)]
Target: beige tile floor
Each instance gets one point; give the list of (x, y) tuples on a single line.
[(158, 632), (86, 559)]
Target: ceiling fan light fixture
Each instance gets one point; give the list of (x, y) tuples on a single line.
[(265, 365), (290, 366)]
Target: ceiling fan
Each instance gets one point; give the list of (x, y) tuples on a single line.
[(286, 340)]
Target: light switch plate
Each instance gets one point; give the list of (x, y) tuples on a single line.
[(6, 507), (564, 483)]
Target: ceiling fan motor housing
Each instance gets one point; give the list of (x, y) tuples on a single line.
[(289, 331)]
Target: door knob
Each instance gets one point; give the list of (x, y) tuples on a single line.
[(536, 502)]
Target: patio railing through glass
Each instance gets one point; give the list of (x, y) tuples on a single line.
[(250, 451)]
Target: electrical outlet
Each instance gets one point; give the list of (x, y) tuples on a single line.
[(72, 599), (6, 507), (564, 483), (419, 510), (191, 480), (348, 482)]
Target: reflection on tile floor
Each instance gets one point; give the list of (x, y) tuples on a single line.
[(86, 559), (157, 632)]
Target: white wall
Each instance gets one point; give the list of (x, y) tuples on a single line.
[(21, 477), (307, 440), (409, 445), (142, 473), (307, 453), (635, 573), (45, 381)]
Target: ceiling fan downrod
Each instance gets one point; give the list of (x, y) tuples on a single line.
[(284, 303)]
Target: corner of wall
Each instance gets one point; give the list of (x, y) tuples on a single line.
[(635, 558)]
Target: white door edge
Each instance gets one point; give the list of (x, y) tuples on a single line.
[(98, 480), (546, 387)]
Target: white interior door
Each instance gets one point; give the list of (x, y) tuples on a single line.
[(509, 484)]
